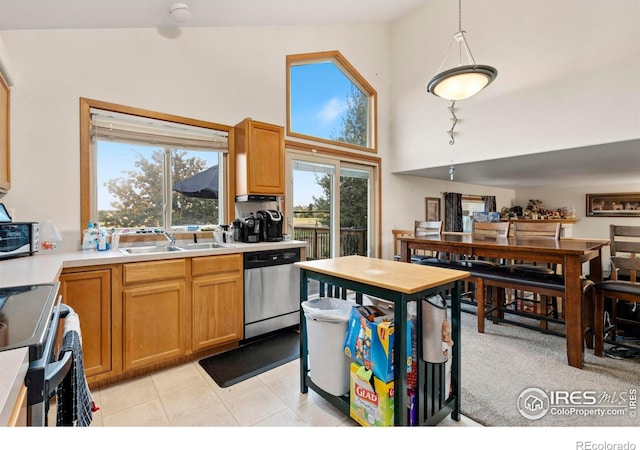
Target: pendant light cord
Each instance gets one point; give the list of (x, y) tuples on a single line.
[(460, 31)]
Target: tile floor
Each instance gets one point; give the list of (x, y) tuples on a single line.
[(185, 396)]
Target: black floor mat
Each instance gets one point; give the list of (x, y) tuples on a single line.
[(252, 359)]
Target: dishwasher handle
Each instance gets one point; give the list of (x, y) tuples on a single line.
[(269, 258)]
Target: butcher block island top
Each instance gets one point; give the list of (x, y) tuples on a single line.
[(393, 275)]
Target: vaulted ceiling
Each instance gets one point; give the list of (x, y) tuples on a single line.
[(618, 162)]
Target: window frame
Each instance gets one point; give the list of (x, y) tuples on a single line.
[(352, 74), (87, 169)]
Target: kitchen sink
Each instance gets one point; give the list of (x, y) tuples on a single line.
[(150, 249), (203, 246)]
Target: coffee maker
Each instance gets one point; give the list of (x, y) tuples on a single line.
[(250, 229), (271, 226)]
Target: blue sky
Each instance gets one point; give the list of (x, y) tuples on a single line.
[(319, 99)]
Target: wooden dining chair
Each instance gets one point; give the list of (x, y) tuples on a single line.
[(427, 228), (624, 247), (487, 230), (616, 291), (624, 241), (490, 229), (397, 235), (474, 286), (424, 228), (521, 299)]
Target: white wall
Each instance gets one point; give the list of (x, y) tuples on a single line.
[(220, 75), (567, 77)]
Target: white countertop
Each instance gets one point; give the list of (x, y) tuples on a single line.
[(45, 268), (13, 368)]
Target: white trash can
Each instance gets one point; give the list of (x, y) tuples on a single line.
[(326, 321)]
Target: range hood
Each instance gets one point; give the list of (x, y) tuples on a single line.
[(256, 198)]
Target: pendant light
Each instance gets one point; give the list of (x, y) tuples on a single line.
[(462, 81)]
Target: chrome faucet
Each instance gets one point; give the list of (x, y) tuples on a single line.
[(170, 237)]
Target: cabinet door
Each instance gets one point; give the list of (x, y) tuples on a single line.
[(89, 294), (260, 158), (154, 323), (217, 310), (5, 166)]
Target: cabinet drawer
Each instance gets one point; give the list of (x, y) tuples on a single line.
[(207, 265), (154, 270)]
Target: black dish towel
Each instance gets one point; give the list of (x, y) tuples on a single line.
[(74, 399)]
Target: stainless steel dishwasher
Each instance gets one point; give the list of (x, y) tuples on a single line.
[(271, 291)]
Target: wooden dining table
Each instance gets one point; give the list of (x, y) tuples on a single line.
[(570, 253)]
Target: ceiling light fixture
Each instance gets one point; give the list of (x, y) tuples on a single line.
[(462, 81), (180, 12)]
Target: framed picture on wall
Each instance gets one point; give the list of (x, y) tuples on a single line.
[(433, 208), (626, 204)]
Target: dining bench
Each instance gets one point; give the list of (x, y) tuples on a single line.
[(493, 281)]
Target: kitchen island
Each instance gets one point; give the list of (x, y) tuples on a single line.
[(399, 283)]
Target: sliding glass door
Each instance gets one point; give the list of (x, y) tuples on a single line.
[(330, 205), (312, 217), (355, 210)]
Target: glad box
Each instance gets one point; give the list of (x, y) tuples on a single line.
[(369, 341), (370, 405)]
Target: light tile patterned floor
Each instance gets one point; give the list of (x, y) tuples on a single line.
[(185, 396)]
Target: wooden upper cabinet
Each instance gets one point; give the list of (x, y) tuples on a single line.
[(5, 166), (259, 153)]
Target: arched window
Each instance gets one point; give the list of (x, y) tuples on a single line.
[(330, 102)]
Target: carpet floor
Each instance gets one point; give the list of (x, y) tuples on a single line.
[(252, 359), (500, 364)]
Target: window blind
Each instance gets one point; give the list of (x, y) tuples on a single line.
[(125, 128)]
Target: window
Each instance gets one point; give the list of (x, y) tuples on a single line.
[(328, 101), (470, 205), (151, 170)]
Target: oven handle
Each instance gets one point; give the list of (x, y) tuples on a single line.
[(56, 371)]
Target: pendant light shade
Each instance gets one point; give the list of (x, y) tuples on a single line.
[(463, 80)]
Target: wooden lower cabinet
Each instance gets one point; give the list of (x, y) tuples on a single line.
[(138, 316), (154, 313), (217, 296), (88, 292), (18, 416)]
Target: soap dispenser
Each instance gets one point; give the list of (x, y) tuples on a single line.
[(89, 238)]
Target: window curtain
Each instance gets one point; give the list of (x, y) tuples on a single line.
[(453, 211), (489, 203)]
